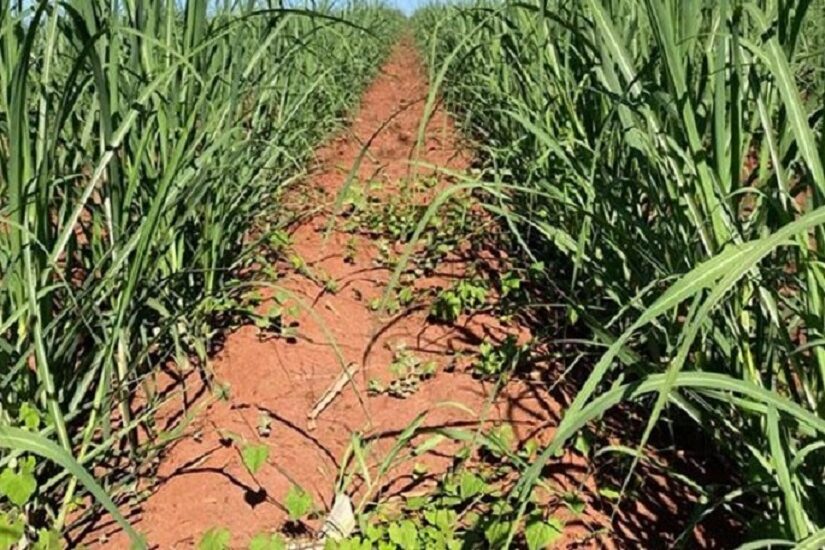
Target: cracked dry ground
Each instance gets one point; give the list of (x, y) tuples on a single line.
[(201, 482)]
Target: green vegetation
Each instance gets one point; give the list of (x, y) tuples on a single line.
[(654, 171), (664, 160), (408, 372), (463, 297), (298, 503), (467, 508), (140, 142)]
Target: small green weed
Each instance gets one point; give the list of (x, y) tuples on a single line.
[(279, 240), (18, 487), (253, 455), (267, 541), (394, 218), (408, 372), (467, 509), (298, 503), (510, 284), (496, 360), (216, 538), (463, 297)]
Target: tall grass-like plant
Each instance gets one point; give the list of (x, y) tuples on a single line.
[(665, 159), (139, 143)]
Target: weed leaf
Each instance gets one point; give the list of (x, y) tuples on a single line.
[(254, 457), (264, 541), (216, 538), (298, 503), (541, 534)]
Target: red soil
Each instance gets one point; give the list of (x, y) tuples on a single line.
[(202, 483)]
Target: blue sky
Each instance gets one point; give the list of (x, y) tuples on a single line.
[(408, 6)]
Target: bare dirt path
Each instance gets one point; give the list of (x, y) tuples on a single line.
[(202, 482)]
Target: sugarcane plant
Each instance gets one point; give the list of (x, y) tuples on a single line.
[(664, 160)]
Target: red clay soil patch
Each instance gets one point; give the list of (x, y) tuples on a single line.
[(201, 481)]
